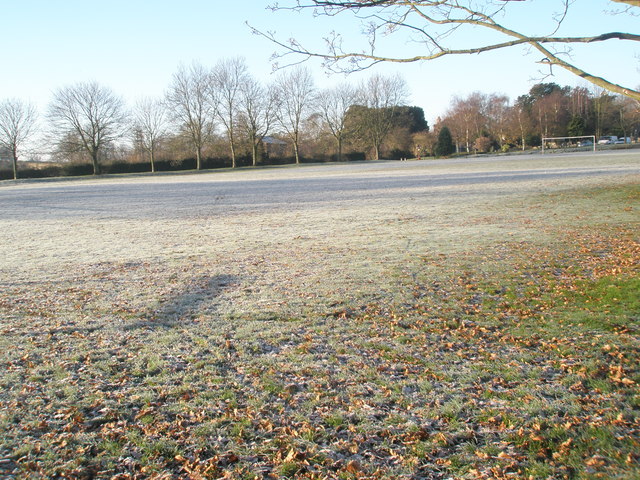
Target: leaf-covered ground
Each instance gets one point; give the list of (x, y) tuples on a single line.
[(514, 358)]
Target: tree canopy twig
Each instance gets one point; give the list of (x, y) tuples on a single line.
[(434, 22)]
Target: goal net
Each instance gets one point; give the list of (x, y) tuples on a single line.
[(569, 144)]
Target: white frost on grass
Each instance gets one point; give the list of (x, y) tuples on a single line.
[(281, 240)]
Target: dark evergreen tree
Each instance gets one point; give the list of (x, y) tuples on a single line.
[(576, 126), (444, 145), (410, 117)]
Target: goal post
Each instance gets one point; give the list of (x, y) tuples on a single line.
[(569, 144)]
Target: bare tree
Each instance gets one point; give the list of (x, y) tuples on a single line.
[(294, 93), (257, 109), (17, 124), (439, 25), (580, 102), (229, 75), (190, 105), (519, 124), (334, 103), (498, 115), (379, 97), (628, 113), (552, 113), (149, 125), (604, 111), (466, 119), (87, 117)]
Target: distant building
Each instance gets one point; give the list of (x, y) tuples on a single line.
[(274, 146)]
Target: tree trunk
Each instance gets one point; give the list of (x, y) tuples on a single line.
[(233, 151), (152, 159), (296, 153), (254, 152), (233, 157), (14, 162), (96, 163)]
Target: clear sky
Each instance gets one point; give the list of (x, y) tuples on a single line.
[(134, 46)]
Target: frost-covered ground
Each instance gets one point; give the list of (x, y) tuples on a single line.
[(465, 319), (285, 237)]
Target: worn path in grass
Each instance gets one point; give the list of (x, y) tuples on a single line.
[(370, 320)]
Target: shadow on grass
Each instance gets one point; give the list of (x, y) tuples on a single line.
[(198, 297)]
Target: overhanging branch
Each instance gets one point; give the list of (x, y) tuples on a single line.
[(452, 14)]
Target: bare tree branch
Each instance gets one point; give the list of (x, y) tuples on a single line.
[(435, 21)]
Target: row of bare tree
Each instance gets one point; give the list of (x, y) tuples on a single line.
[(206, 108), (86, 120)]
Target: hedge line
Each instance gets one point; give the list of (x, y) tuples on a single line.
[(76, 169)]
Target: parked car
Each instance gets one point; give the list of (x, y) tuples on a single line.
[(585, 143), (607, 140)]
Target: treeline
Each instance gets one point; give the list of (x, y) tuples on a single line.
[(224, 117), (491, 122), (213, 117)]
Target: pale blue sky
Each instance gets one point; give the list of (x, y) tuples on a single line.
[(135, 46)]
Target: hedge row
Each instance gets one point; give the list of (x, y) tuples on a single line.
[(81, 169)]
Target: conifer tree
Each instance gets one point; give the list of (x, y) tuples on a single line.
[(444, 145)]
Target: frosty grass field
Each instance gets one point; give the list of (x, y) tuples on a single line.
[(469, 318)]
